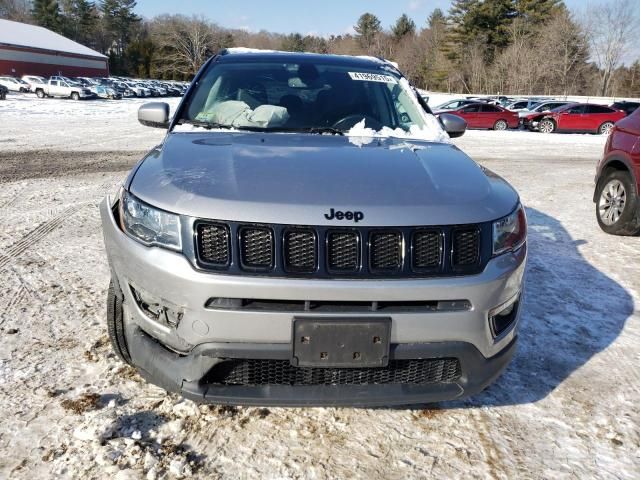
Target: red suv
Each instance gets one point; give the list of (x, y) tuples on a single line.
[(618, 179), (484, 115), (577, 117)]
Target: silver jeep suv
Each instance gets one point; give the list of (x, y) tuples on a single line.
[(306, 235)]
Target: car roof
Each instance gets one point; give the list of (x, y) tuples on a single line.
[(239, 55)]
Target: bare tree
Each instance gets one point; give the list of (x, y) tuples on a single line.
[(185, 43), (17, 10), (611, 29), (564, 51)]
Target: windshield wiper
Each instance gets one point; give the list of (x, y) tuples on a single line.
[(207, 125), (211, 125), (322, 130)]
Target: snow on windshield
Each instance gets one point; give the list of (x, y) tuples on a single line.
[(431, 131)]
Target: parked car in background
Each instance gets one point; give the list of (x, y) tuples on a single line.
[(14, 84), (542, 107), (33, 81), (105, 92), (453, 104), (138, 90), (3, 92), (577, 117), (63, 87), (626, 107), (484, 115), (618, 179), (527, 116), (518, 105)]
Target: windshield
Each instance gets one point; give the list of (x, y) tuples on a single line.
[(304, 96)]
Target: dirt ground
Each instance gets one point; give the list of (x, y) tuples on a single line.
[(567, 407)]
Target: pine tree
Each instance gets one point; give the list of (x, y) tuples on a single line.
[(293, 43), (403, 26), (436, 18), (46, 13), (80, 20), (367, 28), (119, 21), (537, 12)]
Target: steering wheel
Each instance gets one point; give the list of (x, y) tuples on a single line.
[(346, 123)]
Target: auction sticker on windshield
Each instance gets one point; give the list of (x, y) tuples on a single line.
[(372, 77)]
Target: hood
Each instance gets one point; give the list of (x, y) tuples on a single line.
[(298, 178)]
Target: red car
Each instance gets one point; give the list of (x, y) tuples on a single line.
[(576, 117), (483, 115), (618, 179)]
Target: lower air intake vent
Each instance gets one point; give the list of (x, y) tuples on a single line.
[(256, 248), (281, 372)]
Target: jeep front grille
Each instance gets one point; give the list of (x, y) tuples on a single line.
[(343, 251), (253, 372), (385, 250), (214, 244), (466, 247), (328, 252), (300, 250), (256, 248), (427, 249)]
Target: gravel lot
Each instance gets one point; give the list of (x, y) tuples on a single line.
[(567, 407)]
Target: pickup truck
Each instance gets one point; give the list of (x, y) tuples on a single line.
[(63, 88)]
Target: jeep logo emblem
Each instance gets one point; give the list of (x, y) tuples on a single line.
[(338, 215)]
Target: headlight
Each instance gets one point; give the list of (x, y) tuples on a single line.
[(510, 232), (149, 225)]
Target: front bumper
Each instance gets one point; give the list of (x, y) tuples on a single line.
[(177, 355), (184, 373)]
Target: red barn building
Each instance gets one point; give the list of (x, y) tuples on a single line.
[(31, 50)]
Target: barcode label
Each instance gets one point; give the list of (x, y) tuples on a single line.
[(372, 77)]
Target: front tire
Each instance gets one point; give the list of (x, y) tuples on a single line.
[(115, 325), (547, 126), (617, 204), (500, 125), (40, 93), (75, 96), (605, 128)]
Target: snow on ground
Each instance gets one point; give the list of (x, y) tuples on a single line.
[(89, 125), (567, 407)]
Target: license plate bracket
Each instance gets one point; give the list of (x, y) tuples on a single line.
[(341, 342)]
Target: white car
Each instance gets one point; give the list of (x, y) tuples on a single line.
[(14, 84), (139, 90), (63, 87), (542, 107), (33, 81)]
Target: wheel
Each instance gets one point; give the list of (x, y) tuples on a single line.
[(75, 96), (40, 93), (115, 325), (547, 126), (605, 128), (617, 204), (500, 125)]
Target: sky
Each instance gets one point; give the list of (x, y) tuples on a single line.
[(317, 17)]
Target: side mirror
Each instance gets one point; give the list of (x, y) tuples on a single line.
[(454, 125), (155, 114)]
